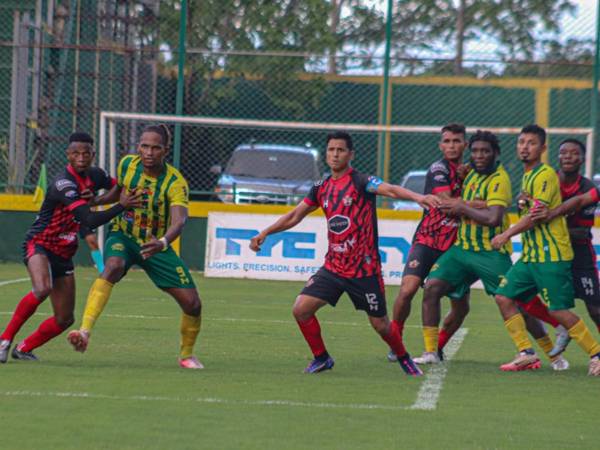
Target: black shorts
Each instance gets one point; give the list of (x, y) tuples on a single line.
[(585, 274), (59, 266), (367, 293), (420, 260)]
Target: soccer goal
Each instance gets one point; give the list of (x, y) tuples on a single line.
[(209, 144)]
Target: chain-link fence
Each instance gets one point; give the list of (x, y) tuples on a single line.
[(66, 61)]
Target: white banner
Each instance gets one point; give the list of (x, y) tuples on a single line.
[(298, 253)]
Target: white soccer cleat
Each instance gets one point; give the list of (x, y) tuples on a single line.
[(559, 363), (594, 367), (190, 363), (562, 340), (427, 358), (4, 348)]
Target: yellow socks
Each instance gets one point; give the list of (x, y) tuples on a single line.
[(584, 338), (96, 301), (517, 331), (190, 327), (430, 336), (546, 344)]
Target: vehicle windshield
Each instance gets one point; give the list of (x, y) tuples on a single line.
[(273, 164), (415, 183)]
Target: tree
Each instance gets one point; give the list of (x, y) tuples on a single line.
[(516, 25)]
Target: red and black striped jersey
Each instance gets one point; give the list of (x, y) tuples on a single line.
[(584, 218), (436, 229), (55, 227), (350, 208)]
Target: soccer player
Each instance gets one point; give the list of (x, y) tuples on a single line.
[(352, 263), (143, 236), (51, 243), (434, 235), (545, 265), (472, 256), (580, 198)]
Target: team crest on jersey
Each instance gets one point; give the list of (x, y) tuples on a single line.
[(413, 263), (338, 224), (129, 216), (347, 200)]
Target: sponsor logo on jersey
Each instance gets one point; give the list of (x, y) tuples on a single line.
[(63, 184), (71, 237), (118, 247), (71, 194), (338, 224)]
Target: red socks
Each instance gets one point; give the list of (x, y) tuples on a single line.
[(539, 310), (23, 311), (311, 330), (443, 338), (394, 339), (46, 331)]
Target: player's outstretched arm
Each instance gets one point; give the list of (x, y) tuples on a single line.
[(525, 223), (285, 222), (490, 216), (570, 206), (178, 217), (394, 191), (110, 196), (93, 219)]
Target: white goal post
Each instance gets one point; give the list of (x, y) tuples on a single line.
[(108, 141)]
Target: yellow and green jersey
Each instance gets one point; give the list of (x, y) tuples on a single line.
[(158, 195), (495, 189), (546, 242)]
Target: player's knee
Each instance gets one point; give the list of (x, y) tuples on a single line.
[(433, 291), (42, 291), (113, 270), (299, 312), (65, 320), (380, 325)]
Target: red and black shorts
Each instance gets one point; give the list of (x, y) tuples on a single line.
[(367, 293), (420, 260), (585, 274), (59, 266)]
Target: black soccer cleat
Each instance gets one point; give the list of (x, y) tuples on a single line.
[(23, 356)]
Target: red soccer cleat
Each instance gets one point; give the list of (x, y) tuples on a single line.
[(523, 361)]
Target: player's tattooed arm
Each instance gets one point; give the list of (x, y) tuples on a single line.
[(285, 222)]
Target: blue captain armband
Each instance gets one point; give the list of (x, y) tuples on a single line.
[(373, 184)]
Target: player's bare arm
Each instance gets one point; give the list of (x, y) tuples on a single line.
[(94, 219), (572, 205), (109, 197), (178, 215), (285, 222), (489, 216), (394, 191), (525, 223)]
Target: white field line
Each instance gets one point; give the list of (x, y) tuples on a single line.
[(18, 280), (222, 401), (430, 390), (222, 319)]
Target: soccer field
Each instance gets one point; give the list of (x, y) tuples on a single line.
[(127, 391)]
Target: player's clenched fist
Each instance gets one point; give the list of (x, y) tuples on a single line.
[(256, 242)]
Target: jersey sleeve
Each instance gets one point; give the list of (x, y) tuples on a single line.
[(372, 183), (499, 191), (312, 198), (122, 169), (546, 187), (178, 193), (439, 178), (66, 192), (103, 180)]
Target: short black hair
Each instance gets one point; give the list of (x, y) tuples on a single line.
[(486, 136), (80, 136), (457, 128), (574, 141), (162, 130), (341, 135), (535, 129)]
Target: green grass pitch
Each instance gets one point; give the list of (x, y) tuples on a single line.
[(127, 391)]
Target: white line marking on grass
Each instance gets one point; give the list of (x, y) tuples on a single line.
[(18, 280), (431, 388), (146, 398)]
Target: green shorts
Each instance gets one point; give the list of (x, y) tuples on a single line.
[(165, 269), (552, 280), (459, 268)]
